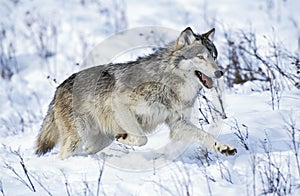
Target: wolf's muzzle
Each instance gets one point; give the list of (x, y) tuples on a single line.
[(219, 73)]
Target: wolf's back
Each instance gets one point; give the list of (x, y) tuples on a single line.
[(49, 133)]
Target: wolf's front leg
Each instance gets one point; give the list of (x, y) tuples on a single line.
[(186, 131), (133, 134), (131, 140)]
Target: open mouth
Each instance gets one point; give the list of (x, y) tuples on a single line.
[(204, 79)]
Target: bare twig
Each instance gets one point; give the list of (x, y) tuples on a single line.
[(163, 187), (67, 186), (209, 110), (224, 171), (87, 187), (21, 179), (295, 144), (253, 160), (243, 136), (101, 169), (26, 173), (205, 163), (273, 179), (1, 188), (41, 184)]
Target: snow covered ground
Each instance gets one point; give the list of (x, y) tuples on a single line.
[(44, 42)]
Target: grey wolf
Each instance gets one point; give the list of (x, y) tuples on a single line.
[(125, 101)]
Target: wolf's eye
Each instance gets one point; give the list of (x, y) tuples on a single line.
[(200, 56)]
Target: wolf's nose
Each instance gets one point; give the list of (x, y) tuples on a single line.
[(219, 73)]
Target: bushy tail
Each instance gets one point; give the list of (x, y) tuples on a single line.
[(48, 135)]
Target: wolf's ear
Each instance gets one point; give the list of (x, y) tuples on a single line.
[(209, 33), (186, 37)]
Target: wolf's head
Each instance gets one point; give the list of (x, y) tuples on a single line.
[(196, 54)]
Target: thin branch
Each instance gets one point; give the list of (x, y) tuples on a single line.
[(67, 186), (100, 175), (19, 178), (30, 185), (41, 184), (1, 188), (86, 184), (26, 173)]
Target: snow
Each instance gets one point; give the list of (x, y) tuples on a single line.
[(25, 97)]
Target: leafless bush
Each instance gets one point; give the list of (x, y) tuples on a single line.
[(8, 60), (249, 60), (294, 134), (270, 170), (182, 184), (211, 109), (113, 14), (21, 121), (211, 159), (28, 183), (42, 32), (27, 177), (243, 136), (273, 179), (225, 172), (235, 68), (205, 161), (253, 164), (181, 178), (87, 187)]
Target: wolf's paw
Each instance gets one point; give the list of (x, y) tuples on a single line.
[(121, 135), (90, 150), (225, 149), (131, 140)]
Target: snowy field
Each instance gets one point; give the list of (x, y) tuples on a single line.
[(44, 42)]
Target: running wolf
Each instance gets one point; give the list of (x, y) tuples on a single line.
[(125, 101)]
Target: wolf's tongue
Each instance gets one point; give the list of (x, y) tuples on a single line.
[(207, 81), (204, 79)]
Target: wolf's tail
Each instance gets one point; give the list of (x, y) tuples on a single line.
[(49, 133)]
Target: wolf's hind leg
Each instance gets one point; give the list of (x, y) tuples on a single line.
[(97, 143), (70, 138), (69, 145)]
